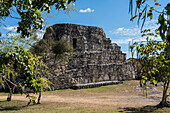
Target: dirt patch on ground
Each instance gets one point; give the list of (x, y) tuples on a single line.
[(128, 94)]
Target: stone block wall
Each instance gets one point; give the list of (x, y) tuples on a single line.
[(95, 58)]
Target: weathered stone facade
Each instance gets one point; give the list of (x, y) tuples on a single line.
[(95, 58)]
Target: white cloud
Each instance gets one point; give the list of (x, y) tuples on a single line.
[(135, 31), (120, 29), (88, 10), (11, 28), (9, 35), (11, 32), (126, 40), (120, 41), (40, 34), (126, 31), (124, 52), (124, 35)]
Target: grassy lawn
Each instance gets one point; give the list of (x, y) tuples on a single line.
[(20, 106)]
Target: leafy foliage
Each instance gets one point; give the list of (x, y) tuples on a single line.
[(19, 63), (16, 62), (29, 12), (144, 10), (155, 63), (58, 48), (153, 59), (154, 55)]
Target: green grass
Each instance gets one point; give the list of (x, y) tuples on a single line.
[(108, 88), (3, 93), (17, 106), (146, 109), (60, 90), (21, 107)]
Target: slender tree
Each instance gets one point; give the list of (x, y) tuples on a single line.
[(153, 55), (21, 69)]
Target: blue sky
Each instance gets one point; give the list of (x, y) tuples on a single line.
[(111, 15)]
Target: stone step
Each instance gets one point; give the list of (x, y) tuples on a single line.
[(94, 84)]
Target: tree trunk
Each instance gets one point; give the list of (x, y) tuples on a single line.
[(39, 98), (9, 95), (11, 86), (164, 103)]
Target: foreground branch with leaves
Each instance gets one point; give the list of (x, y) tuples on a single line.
[(154, 64), (29, 12), (154, 56), (22, 70)]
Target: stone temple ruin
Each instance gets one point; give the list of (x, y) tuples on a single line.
[(95, 59)]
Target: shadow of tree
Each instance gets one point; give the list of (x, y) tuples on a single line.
[(145, 109), (11, 105)]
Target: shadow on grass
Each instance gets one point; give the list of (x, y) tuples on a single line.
[(11, 105), (145, 109)]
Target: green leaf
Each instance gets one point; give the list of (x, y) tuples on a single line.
[(133, 17), (144, 15), (156, 30), (33, 97), (143, 81), (143, 1), (132, 46), (135, 43), (151, 8), (157, 4), (143, 35), (153, 72), (168, 8), (150, 16), (151, 34)]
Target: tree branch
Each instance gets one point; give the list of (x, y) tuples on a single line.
[(154, 9), (8, 80), (14, 17)]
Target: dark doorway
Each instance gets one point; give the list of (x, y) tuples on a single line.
[(74, 43)]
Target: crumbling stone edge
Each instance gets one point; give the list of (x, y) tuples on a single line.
[(95, 84)]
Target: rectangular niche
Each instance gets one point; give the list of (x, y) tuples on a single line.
[(74, 43)]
